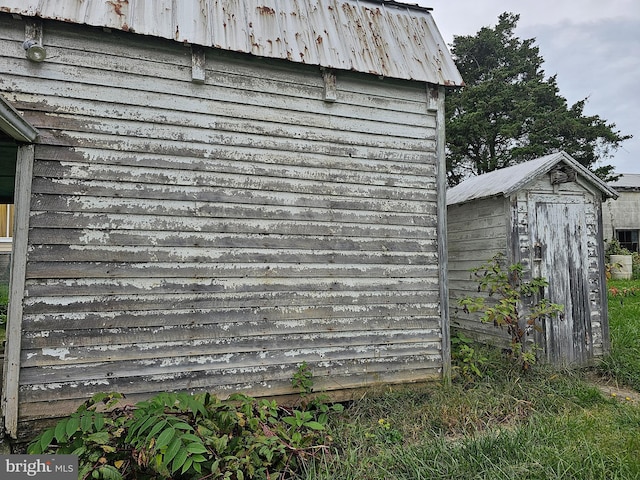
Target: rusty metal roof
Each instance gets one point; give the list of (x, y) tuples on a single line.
[(509, 180), (384, 38)]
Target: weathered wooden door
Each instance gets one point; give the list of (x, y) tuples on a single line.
[(560, 254)]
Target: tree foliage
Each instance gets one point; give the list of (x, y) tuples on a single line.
[(508, 112)]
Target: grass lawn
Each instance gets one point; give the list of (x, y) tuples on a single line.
[(623, 364), (543, 425)]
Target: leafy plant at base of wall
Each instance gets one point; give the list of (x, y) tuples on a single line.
[(302, 379), (466, 358), (162, 433), (178, 435), (95, 436), (509, 292), (320, 405)]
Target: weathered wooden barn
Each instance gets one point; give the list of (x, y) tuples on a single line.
[(219, 191), (547, 215)]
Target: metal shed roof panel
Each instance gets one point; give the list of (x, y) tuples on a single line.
[(508, 180), (627, 181), (379, 37)]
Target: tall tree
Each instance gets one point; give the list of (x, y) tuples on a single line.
[(508, 112)]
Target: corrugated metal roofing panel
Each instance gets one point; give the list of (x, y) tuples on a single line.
[(384, 38), (628, 181), (511, 179)]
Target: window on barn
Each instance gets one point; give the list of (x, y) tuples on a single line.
[(628, 239), (6, 223), (8, 156)]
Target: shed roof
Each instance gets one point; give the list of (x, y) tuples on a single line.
[(627, 181), (509, 180), (380, 37)]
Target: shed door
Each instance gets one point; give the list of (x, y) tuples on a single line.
[(559, 227)]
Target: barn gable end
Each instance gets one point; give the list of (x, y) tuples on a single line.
[(213, 235)]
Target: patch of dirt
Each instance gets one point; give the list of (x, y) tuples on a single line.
[(612, 389)]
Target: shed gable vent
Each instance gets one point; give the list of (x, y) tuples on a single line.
[(562, 174)]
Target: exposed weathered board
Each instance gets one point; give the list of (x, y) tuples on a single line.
[(363, 375), (69, 236), (126, 359), (255, 377), (232, 159), (270, 318), (225, 286), (185, 328), (371, 185), (169, 208), (213, 236)]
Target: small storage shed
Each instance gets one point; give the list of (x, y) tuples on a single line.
[(221, 190), (546, 215)]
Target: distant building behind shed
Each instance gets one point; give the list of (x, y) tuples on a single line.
[(621, 216)]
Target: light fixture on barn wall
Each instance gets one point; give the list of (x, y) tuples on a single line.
[(33, 42), (35, 52)]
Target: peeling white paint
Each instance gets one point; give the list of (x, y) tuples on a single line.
[(278, 210), (91, 237), (60, 353)]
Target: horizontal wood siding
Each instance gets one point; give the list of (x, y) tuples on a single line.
[(213, 237), (476, 232)]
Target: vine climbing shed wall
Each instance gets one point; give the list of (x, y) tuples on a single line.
[(547, 215), (221, 190)]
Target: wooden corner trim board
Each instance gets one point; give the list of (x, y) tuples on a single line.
[(436, 96), (10, 390)]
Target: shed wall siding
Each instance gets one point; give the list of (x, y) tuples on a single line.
[(212, 237), (476, 233)]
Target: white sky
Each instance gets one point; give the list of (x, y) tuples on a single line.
[(593, 46)]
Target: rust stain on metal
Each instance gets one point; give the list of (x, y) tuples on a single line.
[(266, 10), (117, 6), (367, 32)]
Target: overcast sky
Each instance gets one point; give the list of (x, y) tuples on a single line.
[(593, 46)]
